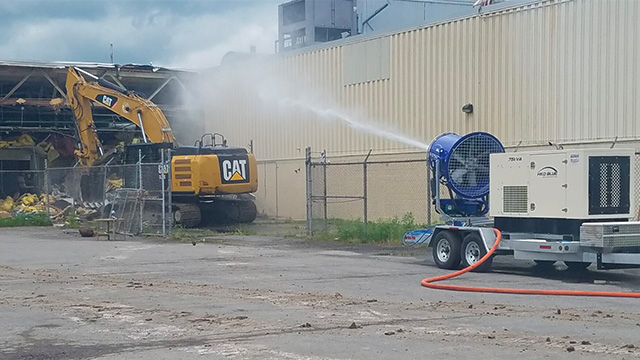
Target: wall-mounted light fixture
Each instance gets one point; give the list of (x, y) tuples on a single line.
[(468, 108)]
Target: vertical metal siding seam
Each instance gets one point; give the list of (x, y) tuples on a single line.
[(402, 88), (524, 129), (498, 69), (551, 77), (480, 42), (587, 55), (415, 91), (339, 88), (601, 48), (393, 80), (571, 58), (439, 81), (475, 76), (420, 90), (624, 130), (483, 89), (558, 77), (635, 74), (540, 75), (426, 80), (615, 81), (465, 61), (413, 98)]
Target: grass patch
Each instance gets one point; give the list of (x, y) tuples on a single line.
[(382, 231), (242, 231), (26, 219), (73, 221)]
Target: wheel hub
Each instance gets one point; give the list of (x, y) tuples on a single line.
[(444, 251), (472, 253)]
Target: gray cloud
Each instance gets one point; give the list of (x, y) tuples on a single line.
[(186, 34)]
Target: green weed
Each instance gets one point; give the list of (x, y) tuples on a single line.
[(242, 231), (26, 219), (73, 221), (382, 231)]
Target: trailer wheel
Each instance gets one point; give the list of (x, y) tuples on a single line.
[(446, 250), (577, 265), (473, 250)]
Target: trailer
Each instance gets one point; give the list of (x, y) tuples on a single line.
[(574, 206)]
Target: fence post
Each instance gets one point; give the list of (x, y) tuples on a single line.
[(140, 186), (364, 189), (277, 195), (170, 209), (324, 188), (105, 185), (428, 192), (46, 188), (162, 178), (308, 185)]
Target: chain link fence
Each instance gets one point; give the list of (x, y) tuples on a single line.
[(364, 190), (380, 190), (15, 183), (136, 195)]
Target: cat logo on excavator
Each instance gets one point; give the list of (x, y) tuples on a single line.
[(234, 170)]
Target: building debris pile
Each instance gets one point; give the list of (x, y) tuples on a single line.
[(61, 207), (27, 203), (23, 140)]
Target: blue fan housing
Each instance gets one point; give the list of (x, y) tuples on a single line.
[(464, 161)]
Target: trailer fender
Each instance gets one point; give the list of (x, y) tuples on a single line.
[(486, 234)]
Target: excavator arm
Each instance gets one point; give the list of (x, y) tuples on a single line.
[(142, 112)]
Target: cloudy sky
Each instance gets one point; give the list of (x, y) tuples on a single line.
[(188, 33), (173, 33)]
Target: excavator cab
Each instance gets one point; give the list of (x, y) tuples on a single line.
[(213, 140)]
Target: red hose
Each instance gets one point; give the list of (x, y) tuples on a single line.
[(429, 282)]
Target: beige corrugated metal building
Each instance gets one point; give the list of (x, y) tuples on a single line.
[(535, 71)]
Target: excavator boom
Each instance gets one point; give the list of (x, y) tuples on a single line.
[(142, 112)]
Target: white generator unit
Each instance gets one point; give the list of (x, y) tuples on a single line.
[(593, 184)]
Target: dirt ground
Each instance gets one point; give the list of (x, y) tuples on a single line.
[(273, 297)]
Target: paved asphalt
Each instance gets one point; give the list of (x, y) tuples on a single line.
[(258, 297)]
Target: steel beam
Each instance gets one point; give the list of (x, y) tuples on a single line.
[(54, 84), (18, 85), (161, 87)]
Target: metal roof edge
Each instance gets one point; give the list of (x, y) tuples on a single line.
[(86, 65), (481, 11)]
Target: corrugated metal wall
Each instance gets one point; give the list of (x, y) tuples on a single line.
[(559, 70)]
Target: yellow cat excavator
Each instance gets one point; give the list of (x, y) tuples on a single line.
[(208, 180)]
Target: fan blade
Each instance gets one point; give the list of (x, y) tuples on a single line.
[(458, 176), (472, 178)]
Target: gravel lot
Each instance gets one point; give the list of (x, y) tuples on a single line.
[(266, 297)]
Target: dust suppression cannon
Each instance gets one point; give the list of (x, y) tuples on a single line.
[(460, 166)]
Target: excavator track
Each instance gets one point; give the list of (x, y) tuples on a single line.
[(187, 215), (229, 211), (245, 211)]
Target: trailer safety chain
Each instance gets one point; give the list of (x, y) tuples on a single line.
[(429, 282)]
